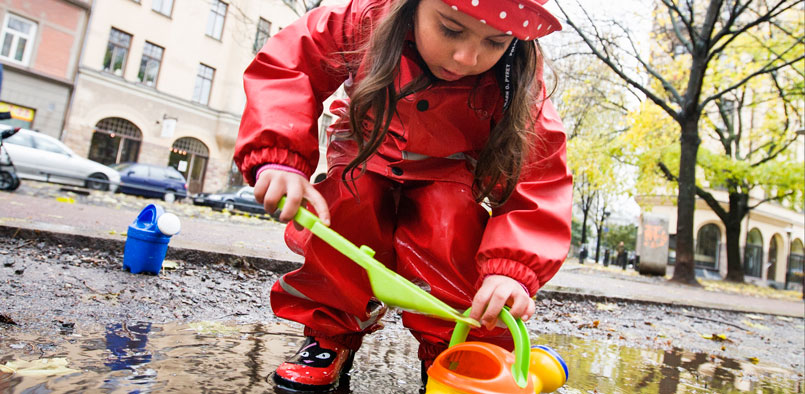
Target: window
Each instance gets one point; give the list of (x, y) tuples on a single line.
[(708, 241), (116, 52), (201, 93), (49, 146), (18, 39), (263, 32), (115, 140), (164, 7), (20, 139), (149, 65), (215, 23)]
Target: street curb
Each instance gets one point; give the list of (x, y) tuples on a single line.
[(280, 267), (175, 253)]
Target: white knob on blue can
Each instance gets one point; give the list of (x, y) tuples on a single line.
[(168, 224)]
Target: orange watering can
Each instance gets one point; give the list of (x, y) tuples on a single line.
[(484, 368)]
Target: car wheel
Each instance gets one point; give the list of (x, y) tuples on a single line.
[(229, 205), (9, 181), (170, 196), (98, 182)]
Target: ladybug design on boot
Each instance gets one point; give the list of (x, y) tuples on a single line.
[(317, 366)]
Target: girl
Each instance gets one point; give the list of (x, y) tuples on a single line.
[(447, 109)]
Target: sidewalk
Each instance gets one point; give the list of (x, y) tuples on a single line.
[(262, 240)]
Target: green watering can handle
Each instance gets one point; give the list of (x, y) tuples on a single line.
[(522, 344)]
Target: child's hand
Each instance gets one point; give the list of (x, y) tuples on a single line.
[(495, 292), (273, 184)]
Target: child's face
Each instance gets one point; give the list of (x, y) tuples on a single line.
[(455, 45)]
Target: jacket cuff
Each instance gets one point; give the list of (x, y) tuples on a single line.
[(256, 159), (512, 269)]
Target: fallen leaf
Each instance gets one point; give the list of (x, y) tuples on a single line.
[(606, 307), (213, 328), (7, 320), (170, 264), (40, 367), (753, 360), (755, 325), (755, 317), (68, 200), (716, 337)]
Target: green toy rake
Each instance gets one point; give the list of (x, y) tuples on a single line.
[(388, 286)]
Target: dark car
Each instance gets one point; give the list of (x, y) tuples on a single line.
[(239, 198), (150, 180)]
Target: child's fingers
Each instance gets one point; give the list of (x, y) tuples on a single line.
[(319, 204), (496, 303), (274, 191), (520, 308), (294, 194), (480, 301)]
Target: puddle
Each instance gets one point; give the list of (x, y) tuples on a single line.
[(216, 357), (599, 367)]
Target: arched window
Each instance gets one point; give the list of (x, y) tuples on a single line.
[(190, 156), (796, 265), (708, 240), (115, 140), (753, 253), (775, 247)]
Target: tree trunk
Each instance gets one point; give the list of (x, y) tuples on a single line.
[(583, 255), (686, 202), (739, 203), (584, 228)]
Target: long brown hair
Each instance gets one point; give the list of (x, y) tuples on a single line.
[(510, 142)]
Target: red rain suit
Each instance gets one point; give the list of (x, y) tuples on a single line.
[(416, 208)]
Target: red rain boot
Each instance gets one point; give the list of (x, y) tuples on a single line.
[(317, 366)]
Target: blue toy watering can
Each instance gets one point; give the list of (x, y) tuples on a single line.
[(147, 240)]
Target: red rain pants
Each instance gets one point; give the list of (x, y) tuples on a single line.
[(426, 231)]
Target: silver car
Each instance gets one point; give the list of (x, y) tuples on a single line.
[(41, 157)]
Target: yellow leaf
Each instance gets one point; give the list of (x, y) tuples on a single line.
[(706, 336), (41, 367), (68, 200), (757, 326), (755, 317), (170, 264), (753, 360), (595, 323), (606, 307)]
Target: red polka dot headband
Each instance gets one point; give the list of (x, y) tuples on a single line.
[(524, 19)]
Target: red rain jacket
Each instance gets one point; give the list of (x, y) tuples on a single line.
[(527, 238)]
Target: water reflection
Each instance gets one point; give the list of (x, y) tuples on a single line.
[(126, 344), (215, 357), (607, 368)]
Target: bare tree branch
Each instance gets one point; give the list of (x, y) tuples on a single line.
[(726, 29), (607, 60), (775, 198), (675, 97), (763, 70)]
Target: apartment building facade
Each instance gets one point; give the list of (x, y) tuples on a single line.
[(160, 82), (40, 47)]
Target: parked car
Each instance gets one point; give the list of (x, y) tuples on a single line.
[(150, 180), (40, 157), (239, 198)]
